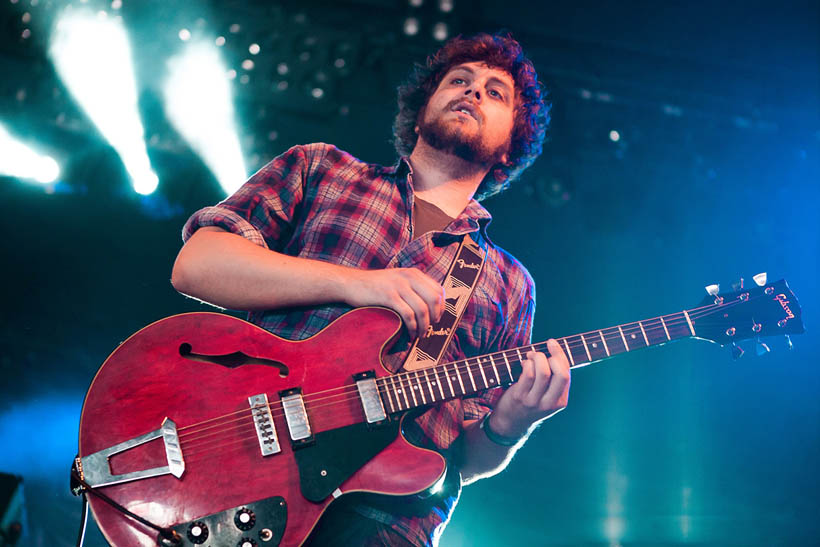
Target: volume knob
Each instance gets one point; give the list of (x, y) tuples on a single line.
[(198, 532), (244, 519)]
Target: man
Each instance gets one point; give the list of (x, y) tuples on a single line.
[(317, 232)]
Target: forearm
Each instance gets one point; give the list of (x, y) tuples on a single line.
[(229, 271)]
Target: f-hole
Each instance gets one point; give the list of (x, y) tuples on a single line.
[(231, 360)]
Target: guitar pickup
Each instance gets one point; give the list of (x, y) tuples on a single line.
[(265, 427), (296, 417), (369, 396)]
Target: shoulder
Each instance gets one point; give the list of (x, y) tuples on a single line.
[(508, 272)]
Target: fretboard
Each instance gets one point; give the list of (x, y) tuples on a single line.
[(408, 390)]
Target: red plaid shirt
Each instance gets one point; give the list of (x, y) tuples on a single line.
[(318, 202)]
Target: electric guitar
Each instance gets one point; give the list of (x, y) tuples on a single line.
[(214, 428)]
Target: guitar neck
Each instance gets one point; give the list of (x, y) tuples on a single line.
[(412, 389)]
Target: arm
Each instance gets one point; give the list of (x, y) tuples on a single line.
[(230, 271), (541, 391)]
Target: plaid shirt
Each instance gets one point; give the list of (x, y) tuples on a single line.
[(318, 202)]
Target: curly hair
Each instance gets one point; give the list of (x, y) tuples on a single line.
[(500, 51)]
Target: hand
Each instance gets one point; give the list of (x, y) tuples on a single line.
[(541, 391), (414, 295)]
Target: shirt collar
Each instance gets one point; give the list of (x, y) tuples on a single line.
[(474, 217)]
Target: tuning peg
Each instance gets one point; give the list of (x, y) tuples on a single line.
[(760, 279), (761, 348), (713, 290), (737, 351), (738, 286), (789, 345)]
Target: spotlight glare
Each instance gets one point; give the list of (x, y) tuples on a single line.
[(614, 136), (411, 26), (93, 57), (199, 105), (254, 49), (184, 34), (21, 161), (440, 31)]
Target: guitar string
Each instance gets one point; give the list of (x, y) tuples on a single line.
[(246, 427), (460, 368)]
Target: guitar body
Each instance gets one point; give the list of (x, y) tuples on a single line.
[(167, 370)]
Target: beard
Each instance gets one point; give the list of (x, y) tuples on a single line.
[(451, 140)]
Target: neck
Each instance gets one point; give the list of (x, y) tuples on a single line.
[(443, 179)]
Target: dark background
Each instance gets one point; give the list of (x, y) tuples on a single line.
[(716, 176)]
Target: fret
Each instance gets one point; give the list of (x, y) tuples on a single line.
[(449, 383), (595, 349), (678, 325), (586, 348), (402, 390), (604, 341), (481, 370), (665, 330), (655, 332), (569, 353), (412, 389), (614, 341), (495, 370), (460, 383), (385, 389), (417, 387), (579, 355), (507, 362), (429, 386), (689, 322), (620, 330), (437, 381), (470, 374), (644, 334)]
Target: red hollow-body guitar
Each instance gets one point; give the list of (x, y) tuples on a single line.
[(210, 426)]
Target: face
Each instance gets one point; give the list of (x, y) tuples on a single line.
[(471, 114)]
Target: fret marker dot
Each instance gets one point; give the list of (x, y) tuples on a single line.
[(633, 336), (595, 344)]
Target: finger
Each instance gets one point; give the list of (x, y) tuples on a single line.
[(408, 316), (540, 383), (421, 313), (558, 391), (524, 383), (430, 291)]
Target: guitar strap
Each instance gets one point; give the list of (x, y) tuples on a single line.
[(459, 284)]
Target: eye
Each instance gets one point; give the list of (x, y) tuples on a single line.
[(496, 94), (457, 81)]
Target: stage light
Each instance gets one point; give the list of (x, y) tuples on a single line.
[(411, 26), (254, 49), (440, 31), (184, 34), (199, 105), (445, 5), (220, 41), (614, 136), (92, 56), (21, 161)]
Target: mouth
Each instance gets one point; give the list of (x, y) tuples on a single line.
[(465, 108)]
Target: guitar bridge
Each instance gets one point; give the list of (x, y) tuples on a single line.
[(96, 470)]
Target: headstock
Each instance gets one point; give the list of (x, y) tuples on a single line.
[(766, 309)]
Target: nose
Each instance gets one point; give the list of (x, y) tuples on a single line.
[(477, 94)]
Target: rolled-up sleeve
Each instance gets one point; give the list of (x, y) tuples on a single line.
[(264, 208)]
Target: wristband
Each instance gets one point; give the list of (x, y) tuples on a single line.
[(495, 437)]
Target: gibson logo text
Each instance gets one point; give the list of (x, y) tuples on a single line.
[(784, 303)]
